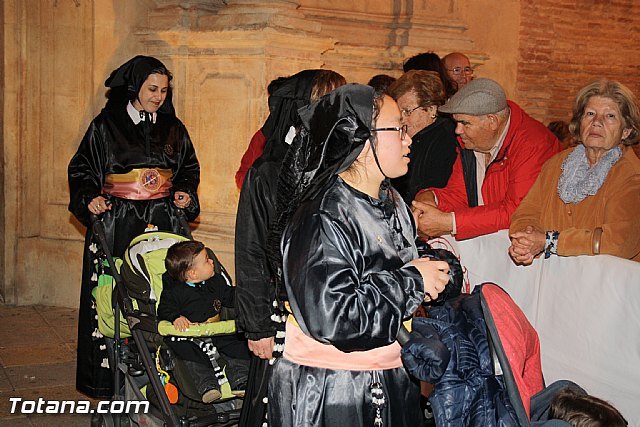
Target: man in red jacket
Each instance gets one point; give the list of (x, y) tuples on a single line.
[(499, 158)]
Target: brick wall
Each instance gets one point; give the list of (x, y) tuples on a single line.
[(565, 44)]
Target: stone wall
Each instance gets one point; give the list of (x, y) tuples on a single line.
[(223, 53), (565, 44), (56, 56)]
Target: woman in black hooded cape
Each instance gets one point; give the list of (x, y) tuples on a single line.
[(350, 267), (255, 290), (135, 164)]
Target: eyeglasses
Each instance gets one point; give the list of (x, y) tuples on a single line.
[(459, 70), (402, 129), (407, 111)]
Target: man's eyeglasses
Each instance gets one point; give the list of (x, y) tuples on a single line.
[(402, 129), (459, 70), (407, 111)]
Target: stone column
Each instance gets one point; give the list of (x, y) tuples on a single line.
[(223, 56)]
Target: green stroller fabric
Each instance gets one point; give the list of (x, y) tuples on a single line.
[(151, 262), (142, 269)]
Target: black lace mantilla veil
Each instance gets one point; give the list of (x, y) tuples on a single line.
[(333, 133)]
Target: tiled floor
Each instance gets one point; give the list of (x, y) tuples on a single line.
[(38, 359)]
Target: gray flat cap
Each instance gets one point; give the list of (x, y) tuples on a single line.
[(477, 98)]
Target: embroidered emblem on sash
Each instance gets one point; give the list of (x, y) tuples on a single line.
[(168, 149), (217, 305), (150, 179)]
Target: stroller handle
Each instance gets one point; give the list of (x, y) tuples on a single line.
[(184, 224), (403, 335), (98, 230)]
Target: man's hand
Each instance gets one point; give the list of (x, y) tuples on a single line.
[(263, 348), (427, 197), (526, 245), (432, 222)]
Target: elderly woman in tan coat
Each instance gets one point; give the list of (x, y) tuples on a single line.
[(586, 200)]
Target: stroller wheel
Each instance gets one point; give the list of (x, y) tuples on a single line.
[(135, 371)]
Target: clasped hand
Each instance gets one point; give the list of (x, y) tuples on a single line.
[(98, 205), (526, 245), (430, 220)]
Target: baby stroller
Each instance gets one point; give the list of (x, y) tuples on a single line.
[(483, 358), (133, 286)]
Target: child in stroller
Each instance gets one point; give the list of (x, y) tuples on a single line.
[(136, 285), (193, 294)]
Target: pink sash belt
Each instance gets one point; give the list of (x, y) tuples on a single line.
[(139, 184), (304, 350)]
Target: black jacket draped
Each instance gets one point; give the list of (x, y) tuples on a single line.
[(255, 291)]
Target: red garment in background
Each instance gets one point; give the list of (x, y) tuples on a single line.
[(254, 150)]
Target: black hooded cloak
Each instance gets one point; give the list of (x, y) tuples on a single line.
[(255, 289), (113, 144), (344, 267)]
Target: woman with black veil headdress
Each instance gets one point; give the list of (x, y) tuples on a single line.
[(255, 289), (134, 166), (350, 267)]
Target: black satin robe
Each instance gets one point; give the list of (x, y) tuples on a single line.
[(349, 286), (255, 291), (113, 144)]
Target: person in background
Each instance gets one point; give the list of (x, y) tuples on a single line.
[(350, 268), (583, 410), (255, 290), (429, 61), (256, 145), (433, 150), (381, 82), (501, 152), (586, 199), (135, 165), (458, 69), (561, 130)]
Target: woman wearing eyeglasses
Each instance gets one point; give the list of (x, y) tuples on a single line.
[(433, 151), (349, 266)]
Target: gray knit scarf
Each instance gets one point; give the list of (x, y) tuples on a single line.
[(578, 180)]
